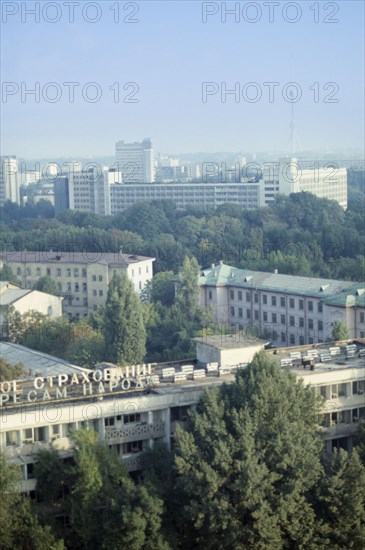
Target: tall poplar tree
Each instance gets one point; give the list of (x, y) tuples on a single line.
[(124, 329)]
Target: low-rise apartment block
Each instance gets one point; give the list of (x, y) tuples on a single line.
[(293, 310), (82, 278)]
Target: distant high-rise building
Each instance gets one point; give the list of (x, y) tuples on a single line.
[(136, 161), (88, 188), (9, 180)]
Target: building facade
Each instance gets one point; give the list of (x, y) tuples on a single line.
[(9, 180), (292, 310), (136, 161), (133, 407), (82, 278)]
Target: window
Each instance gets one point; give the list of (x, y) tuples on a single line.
[(231, 294), (283, 337), (48, 271), (68, 272), (77, 287), (69, 287), (310, 340), (130, 418), (84, 274), (301, 304), (320, 307), (85, 302), (362, 334), (29, 271), (146, 268), (282, 302), (240, 312), (232, 311), (310, 324), (291, 303), (38, 271), (310, 305), (11, 438), (264, 315), (264, 299), (40, 434), (320, 325), (273, 317), (256, 298), (100, 278), (109, 421), (140, 285), (256, 313), (240, 295), (59, 287), (49, 311), (95, 308), (94, 278), (132, 447), (292, 338), (84, 287), (248, 297), (292, 321), (301, 322), (101, 292), (301, 340), (248, 313), (273, 300), (210, 295), (282, 319), (362, 317), (18, 270), (58, 272)]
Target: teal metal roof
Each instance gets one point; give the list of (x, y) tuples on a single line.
[(225, 275)]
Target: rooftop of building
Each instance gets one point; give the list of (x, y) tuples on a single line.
[(73, 257), (333, 292), (36, 363), (231, 341), (324, 357)]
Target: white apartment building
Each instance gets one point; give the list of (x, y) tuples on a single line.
[(292, 310), (88, 188), (82, 278), (133, 407), (136, 161), (212, 195), (9, 180), (325, 180)]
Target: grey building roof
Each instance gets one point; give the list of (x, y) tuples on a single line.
[(12, 295), (225, 275), (71, 257), (36, 362)]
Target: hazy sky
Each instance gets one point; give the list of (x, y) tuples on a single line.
[(169, 52)]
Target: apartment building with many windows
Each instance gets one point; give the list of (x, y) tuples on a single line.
[(82, 278), (134, 407), (292, 310)]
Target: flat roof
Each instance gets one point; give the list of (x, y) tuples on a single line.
[(231, 341)]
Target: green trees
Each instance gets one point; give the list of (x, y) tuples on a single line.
[(6, 274), (106, 509), (46, 284), (339, 331), (124, 330), (10, 372), (19, 526), (248, 464)]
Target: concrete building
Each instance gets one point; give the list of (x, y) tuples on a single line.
[(287, 176), (9, 180), (136, 161), (88, 188), (134, 407), (82, 278), (203, 195), (292, 310), (24, 300)]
